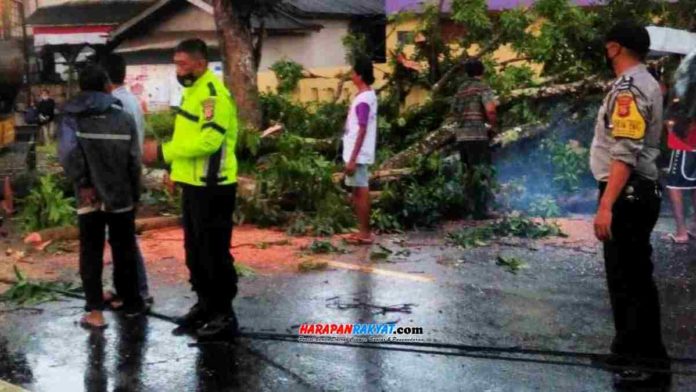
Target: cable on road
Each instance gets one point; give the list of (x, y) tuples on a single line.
[(597, 360)]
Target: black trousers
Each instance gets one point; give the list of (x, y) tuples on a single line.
[(123, 248), (478, 183), (629, 268), (475, 152), (207, 217)]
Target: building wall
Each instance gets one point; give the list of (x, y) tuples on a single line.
[(321, 89), (321, 52), (156, 87), (316, 49)]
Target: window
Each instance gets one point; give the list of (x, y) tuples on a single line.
[(374, 29), (405, 37)]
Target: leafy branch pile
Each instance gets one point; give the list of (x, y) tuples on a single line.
[(47, 206), (324, 247), (513, 225), (25, 292)]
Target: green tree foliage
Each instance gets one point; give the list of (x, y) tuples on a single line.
[(289, 74), (46, 206), (562, 37)]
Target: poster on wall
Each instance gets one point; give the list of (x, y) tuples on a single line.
[(156, 86)]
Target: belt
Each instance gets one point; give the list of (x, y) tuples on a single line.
[(636, 185)]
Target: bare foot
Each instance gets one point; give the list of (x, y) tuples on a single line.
[(362, 239)]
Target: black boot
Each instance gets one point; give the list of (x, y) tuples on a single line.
[(220, 327), (196, 317)]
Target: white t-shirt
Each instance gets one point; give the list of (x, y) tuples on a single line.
[(350, 136)]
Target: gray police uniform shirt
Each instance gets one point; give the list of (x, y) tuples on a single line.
[(629, 125)]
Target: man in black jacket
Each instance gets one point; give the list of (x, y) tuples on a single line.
[(99, 151)]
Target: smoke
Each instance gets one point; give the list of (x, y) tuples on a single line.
[(550, 172)]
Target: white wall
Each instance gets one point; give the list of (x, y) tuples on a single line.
[(319, 49), (156, 86)]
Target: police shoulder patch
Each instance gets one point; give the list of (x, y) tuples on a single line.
[(627, 121), (209, 109)]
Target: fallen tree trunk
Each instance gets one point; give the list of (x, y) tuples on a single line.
[(426, 146), (320, 145), (582, 87), (72, 233), (444, 136)]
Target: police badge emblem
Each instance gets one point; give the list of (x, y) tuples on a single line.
[(624, 105), (626, 119), (208, 109)]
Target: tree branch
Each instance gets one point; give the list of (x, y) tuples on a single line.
[(505, 63), (589, 85), (495, 44)]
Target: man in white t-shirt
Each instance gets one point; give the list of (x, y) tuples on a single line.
[(359, 142)]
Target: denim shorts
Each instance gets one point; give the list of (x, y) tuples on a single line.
[(359, 179)]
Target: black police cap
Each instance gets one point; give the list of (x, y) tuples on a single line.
[(630, 35)]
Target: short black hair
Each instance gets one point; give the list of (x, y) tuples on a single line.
[(631, 36), (364, 68), (93, 78), (115, 66), (194, 46), (474, 67)]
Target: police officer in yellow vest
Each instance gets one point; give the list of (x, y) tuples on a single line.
[(203, 162), (623, 160)]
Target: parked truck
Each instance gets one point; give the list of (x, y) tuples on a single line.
[(11, 78)]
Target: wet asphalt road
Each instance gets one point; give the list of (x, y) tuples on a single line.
[(557, 305)]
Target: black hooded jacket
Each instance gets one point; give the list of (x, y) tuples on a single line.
[(98, 147)]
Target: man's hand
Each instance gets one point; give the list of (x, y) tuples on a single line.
[(350, 168), (150, 152), (88, 196), (168, 183), (602, 224), (492, 133)]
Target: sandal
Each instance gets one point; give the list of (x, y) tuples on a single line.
[(92, 327), (673, 238), (356, 239)]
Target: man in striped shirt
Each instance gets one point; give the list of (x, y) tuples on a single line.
[(474, 114)]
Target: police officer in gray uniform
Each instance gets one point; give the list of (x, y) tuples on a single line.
[(623, 160)]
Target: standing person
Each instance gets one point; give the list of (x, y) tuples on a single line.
[(681, 139), (47, 111), (623, 158), (115, 67), (359, 143), (474, 113), (31, 114), (99, 151), (203, 163)]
